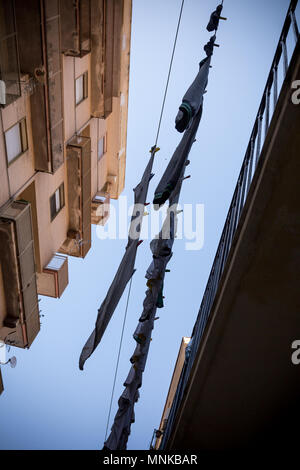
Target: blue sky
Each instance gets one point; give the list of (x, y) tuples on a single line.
[(48, 403)]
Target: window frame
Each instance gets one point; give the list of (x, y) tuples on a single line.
[(23, 139), (85, 87), (104, 137), (61, 189)]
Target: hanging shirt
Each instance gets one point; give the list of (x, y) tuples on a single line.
[(209, 46)]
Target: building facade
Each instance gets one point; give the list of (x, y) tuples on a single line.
[(181, 358), (64, 77)]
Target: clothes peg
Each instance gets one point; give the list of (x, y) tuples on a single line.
[(154, 149), (186, 177)]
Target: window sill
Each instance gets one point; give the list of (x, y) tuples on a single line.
[(57, 213), (80, 102), (16, 158)]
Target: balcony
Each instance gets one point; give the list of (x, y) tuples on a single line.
[(106, 27), (54, 278), (40, 58), (9, 65), (19, 317), (78, 240), (75, 27)]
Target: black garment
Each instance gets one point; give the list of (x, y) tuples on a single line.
[(209, 46), (192, 99), (214, 19)]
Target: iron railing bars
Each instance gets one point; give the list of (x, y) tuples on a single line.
[(285, 56), (294, 23)]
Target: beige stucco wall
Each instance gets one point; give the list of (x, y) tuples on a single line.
[(4, 188), (51, 234), (83, 109), (173, 385), (75, 116), (22, 168)]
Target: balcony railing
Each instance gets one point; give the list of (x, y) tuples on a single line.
[(251, 166)]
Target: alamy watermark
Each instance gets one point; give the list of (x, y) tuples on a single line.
[(147, 222), (296, 94), (295, 358)]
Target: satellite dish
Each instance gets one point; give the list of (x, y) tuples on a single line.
[(13, 362)]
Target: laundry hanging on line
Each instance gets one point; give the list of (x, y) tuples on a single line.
[(175, 167), (192, 99), (161, 248), (126, 267), (214, 19)]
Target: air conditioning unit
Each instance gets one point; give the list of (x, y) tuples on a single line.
[(54, 278)]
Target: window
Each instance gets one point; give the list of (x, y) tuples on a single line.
[(57, 201), (16, 141), (81, 88), (101, 147)]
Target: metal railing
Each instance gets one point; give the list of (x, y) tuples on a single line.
[(249, 168)]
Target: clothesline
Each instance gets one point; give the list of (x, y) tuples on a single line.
[(169, 188), (161, 246), (156, 140)]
